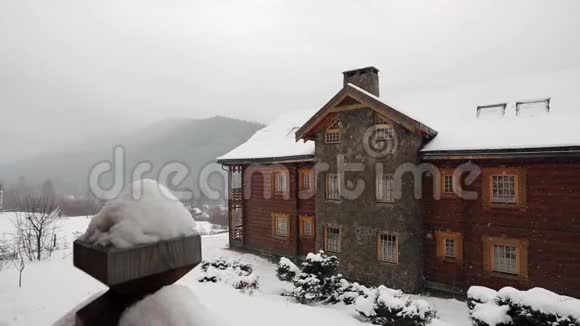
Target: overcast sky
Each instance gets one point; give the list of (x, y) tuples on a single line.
[(73, 69)]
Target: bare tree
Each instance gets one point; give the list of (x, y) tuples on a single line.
[(6, 254), (36, 226), (19, 262)]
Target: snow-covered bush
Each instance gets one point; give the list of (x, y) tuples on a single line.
[(349, 292), (286, 270), (533, 307), (384, 306), (479, 294), (539, 306), (484, 309), (317, 281), (234, 273)]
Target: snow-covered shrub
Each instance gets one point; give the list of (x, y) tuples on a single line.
[(484, 309), (384, 306), (539, 306), (534, 307), (234, 273), (317, 281), (351, 291), (479, 294), (287, 270)]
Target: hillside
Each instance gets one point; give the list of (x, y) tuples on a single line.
[(194, 142)]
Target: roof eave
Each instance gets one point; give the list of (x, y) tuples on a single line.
[(513, 153), (282, 159)]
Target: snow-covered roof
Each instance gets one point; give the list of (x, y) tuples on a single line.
[(275, 141), (452, 113)]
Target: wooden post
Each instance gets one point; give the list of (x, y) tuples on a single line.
[(131, 273)]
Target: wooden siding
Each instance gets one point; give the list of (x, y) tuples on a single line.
[(258, 210), (549, 222)]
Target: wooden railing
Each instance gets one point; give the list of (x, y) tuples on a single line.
[(237, 194), (238, 233)]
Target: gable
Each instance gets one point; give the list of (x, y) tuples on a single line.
[(352, 98)]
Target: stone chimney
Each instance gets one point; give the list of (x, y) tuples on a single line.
[(365, 78)]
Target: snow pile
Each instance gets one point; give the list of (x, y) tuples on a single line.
[(384, 306), (509, 306), (144, 212), (234, 273), (173, 305)]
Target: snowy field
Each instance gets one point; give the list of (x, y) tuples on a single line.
[(52, 289)]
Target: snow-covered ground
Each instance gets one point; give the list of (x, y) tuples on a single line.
[(51, 289)]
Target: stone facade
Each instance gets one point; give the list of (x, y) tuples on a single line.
[(361, 219)]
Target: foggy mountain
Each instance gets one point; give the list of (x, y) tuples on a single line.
[(194, 142)]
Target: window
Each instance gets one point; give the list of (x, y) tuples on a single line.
[(306, 178), (280, 181), (505, 259), (503, 189), (388, 248), (385, 188), (332, 186), (280, 225), (332, 239), (533, 108), (447, 184), (449, 246), (505, 256), (332, 134), (306, 226), (493, 111), (383, 128)]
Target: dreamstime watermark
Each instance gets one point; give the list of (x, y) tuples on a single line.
[(371, 159)]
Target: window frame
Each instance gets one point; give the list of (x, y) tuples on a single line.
[(326, 238), (521, 245), (380, 241), (275, 218), (333, 130), (327, 187), (382, 123), (275, 174), (493, 188), (381, 188), (303, 175), (303, 220), (520, 186), (441, 238)]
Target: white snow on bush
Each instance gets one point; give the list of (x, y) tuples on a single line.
[(394, 300), (144, 212), (314, 257), (543, 300), (289, 264), (481, 293), (491, 313), (173, 305)]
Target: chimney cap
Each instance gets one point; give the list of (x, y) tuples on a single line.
[(360, 71)]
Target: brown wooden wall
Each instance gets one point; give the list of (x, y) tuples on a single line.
[(550, 221), (258, 209)]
